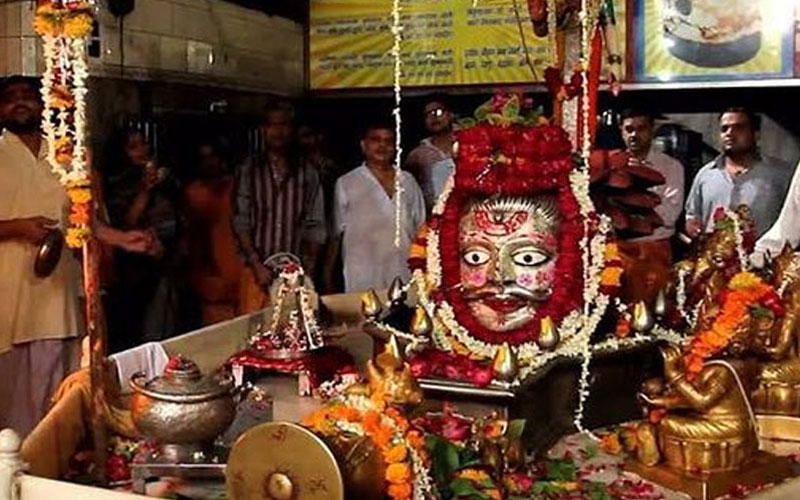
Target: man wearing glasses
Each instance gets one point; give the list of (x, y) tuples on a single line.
[(432, 161)]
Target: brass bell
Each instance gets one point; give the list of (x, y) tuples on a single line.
[(370, 304), (396, 293), (660, 305), (548, 334), (505, 363), (642, 318), (421, 324)]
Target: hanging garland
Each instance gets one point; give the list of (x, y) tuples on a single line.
[(397, 32), (64, 26)]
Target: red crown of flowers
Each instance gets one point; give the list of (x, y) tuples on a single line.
[(512, 159)]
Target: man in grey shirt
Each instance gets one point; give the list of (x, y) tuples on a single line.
[(739, 176)]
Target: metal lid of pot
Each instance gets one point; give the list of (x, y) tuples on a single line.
[(182, 382)]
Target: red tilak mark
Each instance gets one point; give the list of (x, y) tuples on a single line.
[(507, 225)]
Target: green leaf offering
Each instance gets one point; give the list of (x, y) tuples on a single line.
[(463, 489), (561, 470)]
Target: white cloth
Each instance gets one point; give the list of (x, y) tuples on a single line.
[(671, 193), (33, 308), (150, 358), (786, 228), (365, 217)]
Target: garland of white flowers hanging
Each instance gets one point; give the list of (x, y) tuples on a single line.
[(397, 32), (64, 26)]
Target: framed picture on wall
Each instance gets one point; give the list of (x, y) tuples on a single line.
[(697, 40)]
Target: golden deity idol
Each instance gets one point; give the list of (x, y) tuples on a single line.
[(705, 423), (777, 343)]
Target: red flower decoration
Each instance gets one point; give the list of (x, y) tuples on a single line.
[(512, 160)]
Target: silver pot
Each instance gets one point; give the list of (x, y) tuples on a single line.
[(182, 408)]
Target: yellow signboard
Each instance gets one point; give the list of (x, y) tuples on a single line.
[(713, 39), (445, 42)]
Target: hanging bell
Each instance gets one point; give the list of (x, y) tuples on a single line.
[(505, 363), (642, 319), (396, 292), (421, 324), (660, 305), (548, 334), (370, 304)]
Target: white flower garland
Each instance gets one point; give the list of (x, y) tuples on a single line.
[(744, 262), (789, 275), (680, 297), (397, 31), (289, 280), (552, 28), (67, 58)]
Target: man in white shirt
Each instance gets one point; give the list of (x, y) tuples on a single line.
[(647, 260), (786, 228), (38, 315), (364, 216)]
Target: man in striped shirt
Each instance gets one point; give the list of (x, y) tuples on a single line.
[(279, 201)]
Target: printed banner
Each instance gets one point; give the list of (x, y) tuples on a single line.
[(680, 40), (445, 42)]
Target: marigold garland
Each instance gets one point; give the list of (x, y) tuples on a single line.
[(401, 446), (63, 26), (72, 19), (745, 291)]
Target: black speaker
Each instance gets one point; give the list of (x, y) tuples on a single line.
[(121, 7)]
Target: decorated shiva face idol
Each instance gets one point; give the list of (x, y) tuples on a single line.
[(509, 248)]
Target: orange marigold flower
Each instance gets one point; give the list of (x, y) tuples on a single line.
[(744, 280), (79, 195), (398, 419), (318, 421), (79, 215), (76, 236), (372, 420), (415, 439), (417, 252), (342, 412), (494, 494), (612, 251), (397, 453), (78, 26), (382, 436), (398, 473), (399, 491), (611, 444), (610, 276), (473, 475)]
